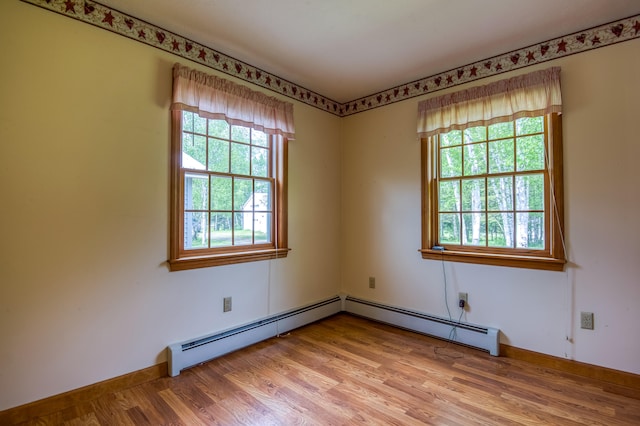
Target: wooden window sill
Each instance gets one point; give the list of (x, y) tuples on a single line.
[(206, 261), (530, 262)]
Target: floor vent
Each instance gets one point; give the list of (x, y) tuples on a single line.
[(485, 338), (196, 351)]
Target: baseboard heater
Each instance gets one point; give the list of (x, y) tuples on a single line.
[(196, 351), (485, 338)]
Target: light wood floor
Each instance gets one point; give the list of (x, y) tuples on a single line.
[(348, 370)]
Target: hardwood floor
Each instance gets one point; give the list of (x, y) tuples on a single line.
[(348, 370)]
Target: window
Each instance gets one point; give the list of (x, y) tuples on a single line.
[(492, 188), (229, 184)]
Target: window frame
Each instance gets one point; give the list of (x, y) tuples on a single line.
[(181, 259), (551, 258)]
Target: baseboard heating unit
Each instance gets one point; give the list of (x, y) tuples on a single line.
[(196, 351), (485, 338)]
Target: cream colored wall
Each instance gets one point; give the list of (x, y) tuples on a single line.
[(85, 294), (536, 310)]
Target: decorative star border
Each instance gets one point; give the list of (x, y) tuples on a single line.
[(128, 26)]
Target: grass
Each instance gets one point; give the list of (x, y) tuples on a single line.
[(223, 238)]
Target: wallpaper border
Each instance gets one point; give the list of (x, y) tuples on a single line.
[(110, 19)]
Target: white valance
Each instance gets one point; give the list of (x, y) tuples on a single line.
[(528, 95), (217, 98)]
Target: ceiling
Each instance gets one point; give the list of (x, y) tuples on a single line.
[(347, 49)]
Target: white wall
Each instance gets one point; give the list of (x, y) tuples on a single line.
[(535, 310), (85, 293)]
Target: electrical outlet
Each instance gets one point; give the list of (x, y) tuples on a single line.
[(372, 282), (226, 304), (463, 296), (586, 320)]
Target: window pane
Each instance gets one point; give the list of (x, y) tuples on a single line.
[(262, 228), (530, 192), (240, 134), (530, 231), (218, 156), (530, 153), (194, 152), (475, 134), (454, 137), (262, 196), (449, 196), (196, 194), (220, 229), (475, 228), (240, 159), (219, 129), (195, 230), (501, 156), (451, 162), (449, 228), (199, 124), (259, 138), (187, 139), (475, 159), (527, 126), (500, 229), (473, 195), (500, 196), (187, 121), (259, 162), (243, 228), (242, 194), (501, 130), (220, 193)]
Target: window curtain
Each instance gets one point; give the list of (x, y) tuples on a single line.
[(217, 98), (528, 95)]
